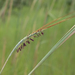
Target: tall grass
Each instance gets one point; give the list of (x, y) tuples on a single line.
[(36, 32), (25, 21)]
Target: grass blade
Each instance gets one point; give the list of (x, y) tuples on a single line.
[(53, 49)]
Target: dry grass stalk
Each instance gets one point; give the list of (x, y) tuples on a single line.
[(2, 13), (10, 10), (3, 55), (33, 4)]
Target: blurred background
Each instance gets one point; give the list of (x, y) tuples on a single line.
[(19, 18)]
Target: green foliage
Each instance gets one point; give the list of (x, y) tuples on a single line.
[(26, 20)]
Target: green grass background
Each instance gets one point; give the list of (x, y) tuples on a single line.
[(25, 20)]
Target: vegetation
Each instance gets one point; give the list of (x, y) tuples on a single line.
[(19, 18)]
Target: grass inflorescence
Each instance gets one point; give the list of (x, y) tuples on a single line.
[(36, 32)]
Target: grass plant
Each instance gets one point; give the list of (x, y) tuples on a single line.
[(21, 20), (38, 31)]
